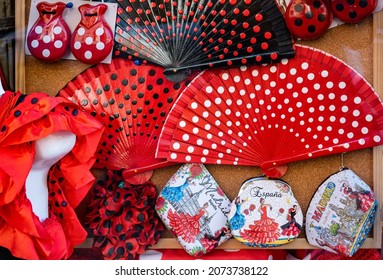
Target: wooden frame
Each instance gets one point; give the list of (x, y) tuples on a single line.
[(301, 243)]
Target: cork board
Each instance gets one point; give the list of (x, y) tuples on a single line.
[(358, 45)]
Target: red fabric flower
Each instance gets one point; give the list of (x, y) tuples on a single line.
[(122, 217)]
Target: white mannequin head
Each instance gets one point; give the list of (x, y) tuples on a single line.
[(49, 150)]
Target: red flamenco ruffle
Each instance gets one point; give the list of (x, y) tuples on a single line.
[(122, 218)]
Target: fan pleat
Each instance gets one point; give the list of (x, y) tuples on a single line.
[(132, 102), (308, 106), (192, 34)]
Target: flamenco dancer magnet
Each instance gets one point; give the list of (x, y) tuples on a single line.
[(194, 208), (265, 213)]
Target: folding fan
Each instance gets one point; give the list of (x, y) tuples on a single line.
[(132, 102), (179, 35), (309, 106)]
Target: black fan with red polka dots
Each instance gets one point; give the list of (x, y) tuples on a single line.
[(183, 34), (132, 102), (308, 106)]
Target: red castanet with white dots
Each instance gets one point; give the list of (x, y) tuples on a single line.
[(49, 37), (92, 39), (308, 19), (352, 11)]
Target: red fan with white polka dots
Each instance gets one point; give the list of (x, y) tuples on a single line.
[(184, 34), (309, 106), (132, 102)]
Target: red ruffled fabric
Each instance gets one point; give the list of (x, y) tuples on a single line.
[(122, 217), (24, 119)]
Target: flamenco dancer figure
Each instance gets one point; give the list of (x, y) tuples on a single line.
[(238, 220), (364, 199), (291, 228), (265, 230), (186, 226), (47, 147)]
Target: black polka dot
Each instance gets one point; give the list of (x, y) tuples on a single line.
[(309, 15), (363, 3), (298, 8), (87, 89), (99, 91), (74, 112), (152, 72), (133, 72), (352, 14), (140, 95), (170, 100), (109, 213), (149, 87), (160, 81), (120, 251), (176, 86), (64, 204), (119, 228), (113, 77), (321, 17), (311, 28), (316, 4), (155, 96), (111, 251), (141, 80), (134, 102), (160, 104), (124, 82), (17, 113), (126, 96), (351, 2), (34, 100), (84, 102), (107, 224), (117, 90), (129, 246), (339, 7), (298, 22)]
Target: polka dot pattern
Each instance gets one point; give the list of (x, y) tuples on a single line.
[(274, 125), (49, 36), (92, 43), (208, 33), (132, 102)]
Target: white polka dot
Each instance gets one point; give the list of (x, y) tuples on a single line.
[(320, 96), (284, 61), (344, 109), (364, 130), (209, 89), (265, 77), (188, 158), (46, 39), (317, 86), (331, 96), (88, 40), (357, 100), (355, 124), (342, 85), (81, 31), (195, 119), (207, 103), (305, 90), (237, 79), (329, 85), (225, 76), (369, 117), (219, 161), (299, 80), (350, 135), (332, 108), (88, 55), (209, 136), (243, 68), (356, 113), (46, 53), (190, 149), (199, 142), (195, 130), (221, 89), (377, 138), (207, 127), (38, 29), (100, 46), (185, 137), (218, 101), (282, 76), (57, 30), (324, 74), (254, 73), (305, 65), (332, 119), (176, 146), (205, 152), (228, 112), (335, 141), (342, 120), (182, 124), (173, 156), (232, 89), (58, 44), (344, 97), (361, 141), (77, 45), (214, 146), (293, 71), (194, 105), (34, 44), (346, 145), (220, 155), (99, 31)]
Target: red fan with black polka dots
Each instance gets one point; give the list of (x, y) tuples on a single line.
[(132, 101), (308, 106), (184, 34)]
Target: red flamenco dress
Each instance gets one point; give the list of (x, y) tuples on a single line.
[(291, 228), (263, 231), (24, 119), (184, 225)]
